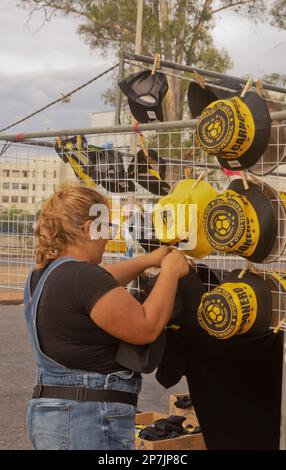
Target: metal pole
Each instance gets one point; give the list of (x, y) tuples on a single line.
[(283, 400), (128, 128), (119, 92), (138, 49), (139, 26), (187, 68)]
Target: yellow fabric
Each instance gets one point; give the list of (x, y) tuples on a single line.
[(228, 310), (226, 128), (80, 173), (176, 206), (155, 173), (231, 224), (281, 278)]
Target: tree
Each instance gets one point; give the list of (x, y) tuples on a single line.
[(180, 30)]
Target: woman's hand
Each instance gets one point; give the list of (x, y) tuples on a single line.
[(176, 263), (156, 257)]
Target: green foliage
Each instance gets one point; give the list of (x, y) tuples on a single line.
[(16, 221), (180, 30)]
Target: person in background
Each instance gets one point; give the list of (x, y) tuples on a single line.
[(77, 312)]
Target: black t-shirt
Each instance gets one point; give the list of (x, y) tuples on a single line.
[(235, 385), (66, 332)]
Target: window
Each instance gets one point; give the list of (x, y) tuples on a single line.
[(14, 199), (25, 186), (15, 186), (34, 187), (44, 174), (15, 172), (6, 185), (24, 199), (34, 173), (55, 174), (33, 200), (5, 199), (25, 174), (6, 173), (44, 187)]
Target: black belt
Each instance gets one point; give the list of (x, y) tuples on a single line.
[(83, 394)]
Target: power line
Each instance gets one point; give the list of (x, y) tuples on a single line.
[(61, 98)]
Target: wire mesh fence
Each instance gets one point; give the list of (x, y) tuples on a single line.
[(31, 173)]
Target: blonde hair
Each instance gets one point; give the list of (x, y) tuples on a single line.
[(61, 219)]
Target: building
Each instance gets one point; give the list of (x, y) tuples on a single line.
[(25, 184), (106, 119)]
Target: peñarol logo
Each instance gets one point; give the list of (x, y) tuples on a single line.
[(218, 314), (224, 223), (226, 128), (216, 127), (228, 310)]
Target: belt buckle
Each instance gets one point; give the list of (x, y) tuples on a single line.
[(81, 394), (38, 391)]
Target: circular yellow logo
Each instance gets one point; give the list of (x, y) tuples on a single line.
[(224, 223), (215, 128), (218, 314)]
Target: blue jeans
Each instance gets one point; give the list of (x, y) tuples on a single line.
[(56, 424)]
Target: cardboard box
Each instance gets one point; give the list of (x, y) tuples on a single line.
[(187, 412), (188, 442)]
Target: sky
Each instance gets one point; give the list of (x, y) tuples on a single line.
[(38, 65)]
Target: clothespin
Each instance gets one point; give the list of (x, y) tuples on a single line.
[(142, 140), (65, 98), (188, 171), (202, 175), (199, 79), (279, 326), (156, 63), (244, 180), (259, 88), (248, 267), (246, 88)]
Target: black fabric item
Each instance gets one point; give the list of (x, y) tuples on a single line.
[(83, 394), (167, 428), (143, 84), (188, 298), (184, 402), (263, 297), (268, 224), (262, 123), (172, 366), (65, 330), (171, 424), (235, 385), (141, 358), (106, 167), (210, 277), (138, 170), (199, 98), (98, 165)]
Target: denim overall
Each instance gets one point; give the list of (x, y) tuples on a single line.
[(70, 424)]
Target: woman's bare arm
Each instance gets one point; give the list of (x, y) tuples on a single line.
[(126, 271), (120, 315)]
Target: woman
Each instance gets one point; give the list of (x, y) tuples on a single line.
[(77, 312)]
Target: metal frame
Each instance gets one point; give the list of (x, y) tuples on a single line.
[(163, 126)]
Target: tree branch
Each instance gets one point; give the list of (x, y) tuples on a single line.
[(231, 5)]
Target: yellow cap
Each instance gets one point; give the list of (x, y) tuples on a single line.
[(173, 219)]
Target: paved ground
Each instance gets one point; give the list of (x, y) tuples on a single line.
[(17, 377)]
